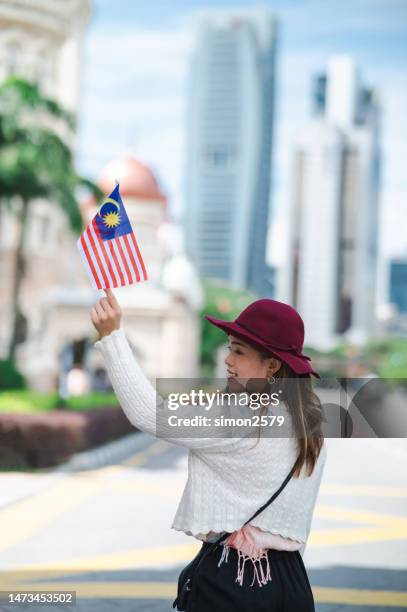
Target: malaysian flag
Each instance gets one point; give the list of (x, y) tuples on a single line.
[(109, 249)]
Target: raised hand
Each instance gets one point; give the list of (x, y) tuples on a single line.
[(106, 314)]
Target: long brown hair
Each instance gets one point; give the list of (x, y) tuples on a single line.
[(305, 409)]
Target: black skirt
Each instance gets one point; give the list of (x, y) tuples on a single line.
[(215, 586)]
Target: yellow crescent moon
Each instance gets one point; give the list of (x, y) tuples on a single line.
[(108, 201)]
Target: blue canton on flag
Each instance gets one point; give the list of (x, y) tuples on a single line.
[(112, 219)]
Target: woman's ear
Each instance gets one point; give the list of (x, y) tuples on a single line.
[(275, 365)]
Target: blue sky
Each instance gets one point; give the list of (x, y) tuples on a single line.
[(134, 87)]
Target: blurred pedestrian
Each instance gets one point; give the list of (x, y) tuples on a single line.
[(77, 381), (100, 380)]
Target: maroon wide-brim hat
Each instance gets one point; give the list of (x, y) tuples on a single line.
[(273, 327)]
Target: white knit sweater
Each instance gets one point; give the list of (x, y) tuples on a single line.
[(228, 478)]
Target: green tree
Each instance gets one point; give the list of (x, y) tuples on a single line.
[(10, 376), (222, 302), (35, 162)]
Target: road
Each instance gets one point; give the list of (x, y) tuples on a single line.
[(105, 532)]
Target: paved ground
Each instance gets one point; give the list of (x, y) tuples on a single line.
[(105, 532)]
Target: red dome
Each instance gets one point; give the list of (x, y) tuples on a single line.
[(136, 180)]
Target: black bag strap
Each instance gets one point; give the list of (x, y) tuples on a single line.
[(264, 506), (273, 497)]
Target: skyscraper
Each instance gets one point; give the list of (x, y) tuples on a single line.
[(229, 147), (330, 276), (398, 284)]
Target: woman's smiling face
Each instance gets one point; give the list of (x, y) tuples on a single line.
[(244, 362)]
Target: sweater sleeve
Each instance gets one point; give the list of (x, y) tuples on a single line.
[(138, 398)]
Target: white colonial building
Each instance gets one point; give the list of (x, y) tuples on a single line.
[(161, 315), (41, 40)]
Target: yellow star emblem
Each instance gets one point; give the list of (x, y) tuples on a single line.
[(111, 219)]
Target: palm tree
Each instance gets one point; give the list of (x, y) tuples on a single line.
[(35, 162)]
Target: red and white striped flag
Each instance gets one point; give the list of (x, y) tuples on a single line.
[(109, 249)]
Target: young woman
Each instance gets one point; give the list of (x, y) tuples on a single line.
[(257, 565)]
